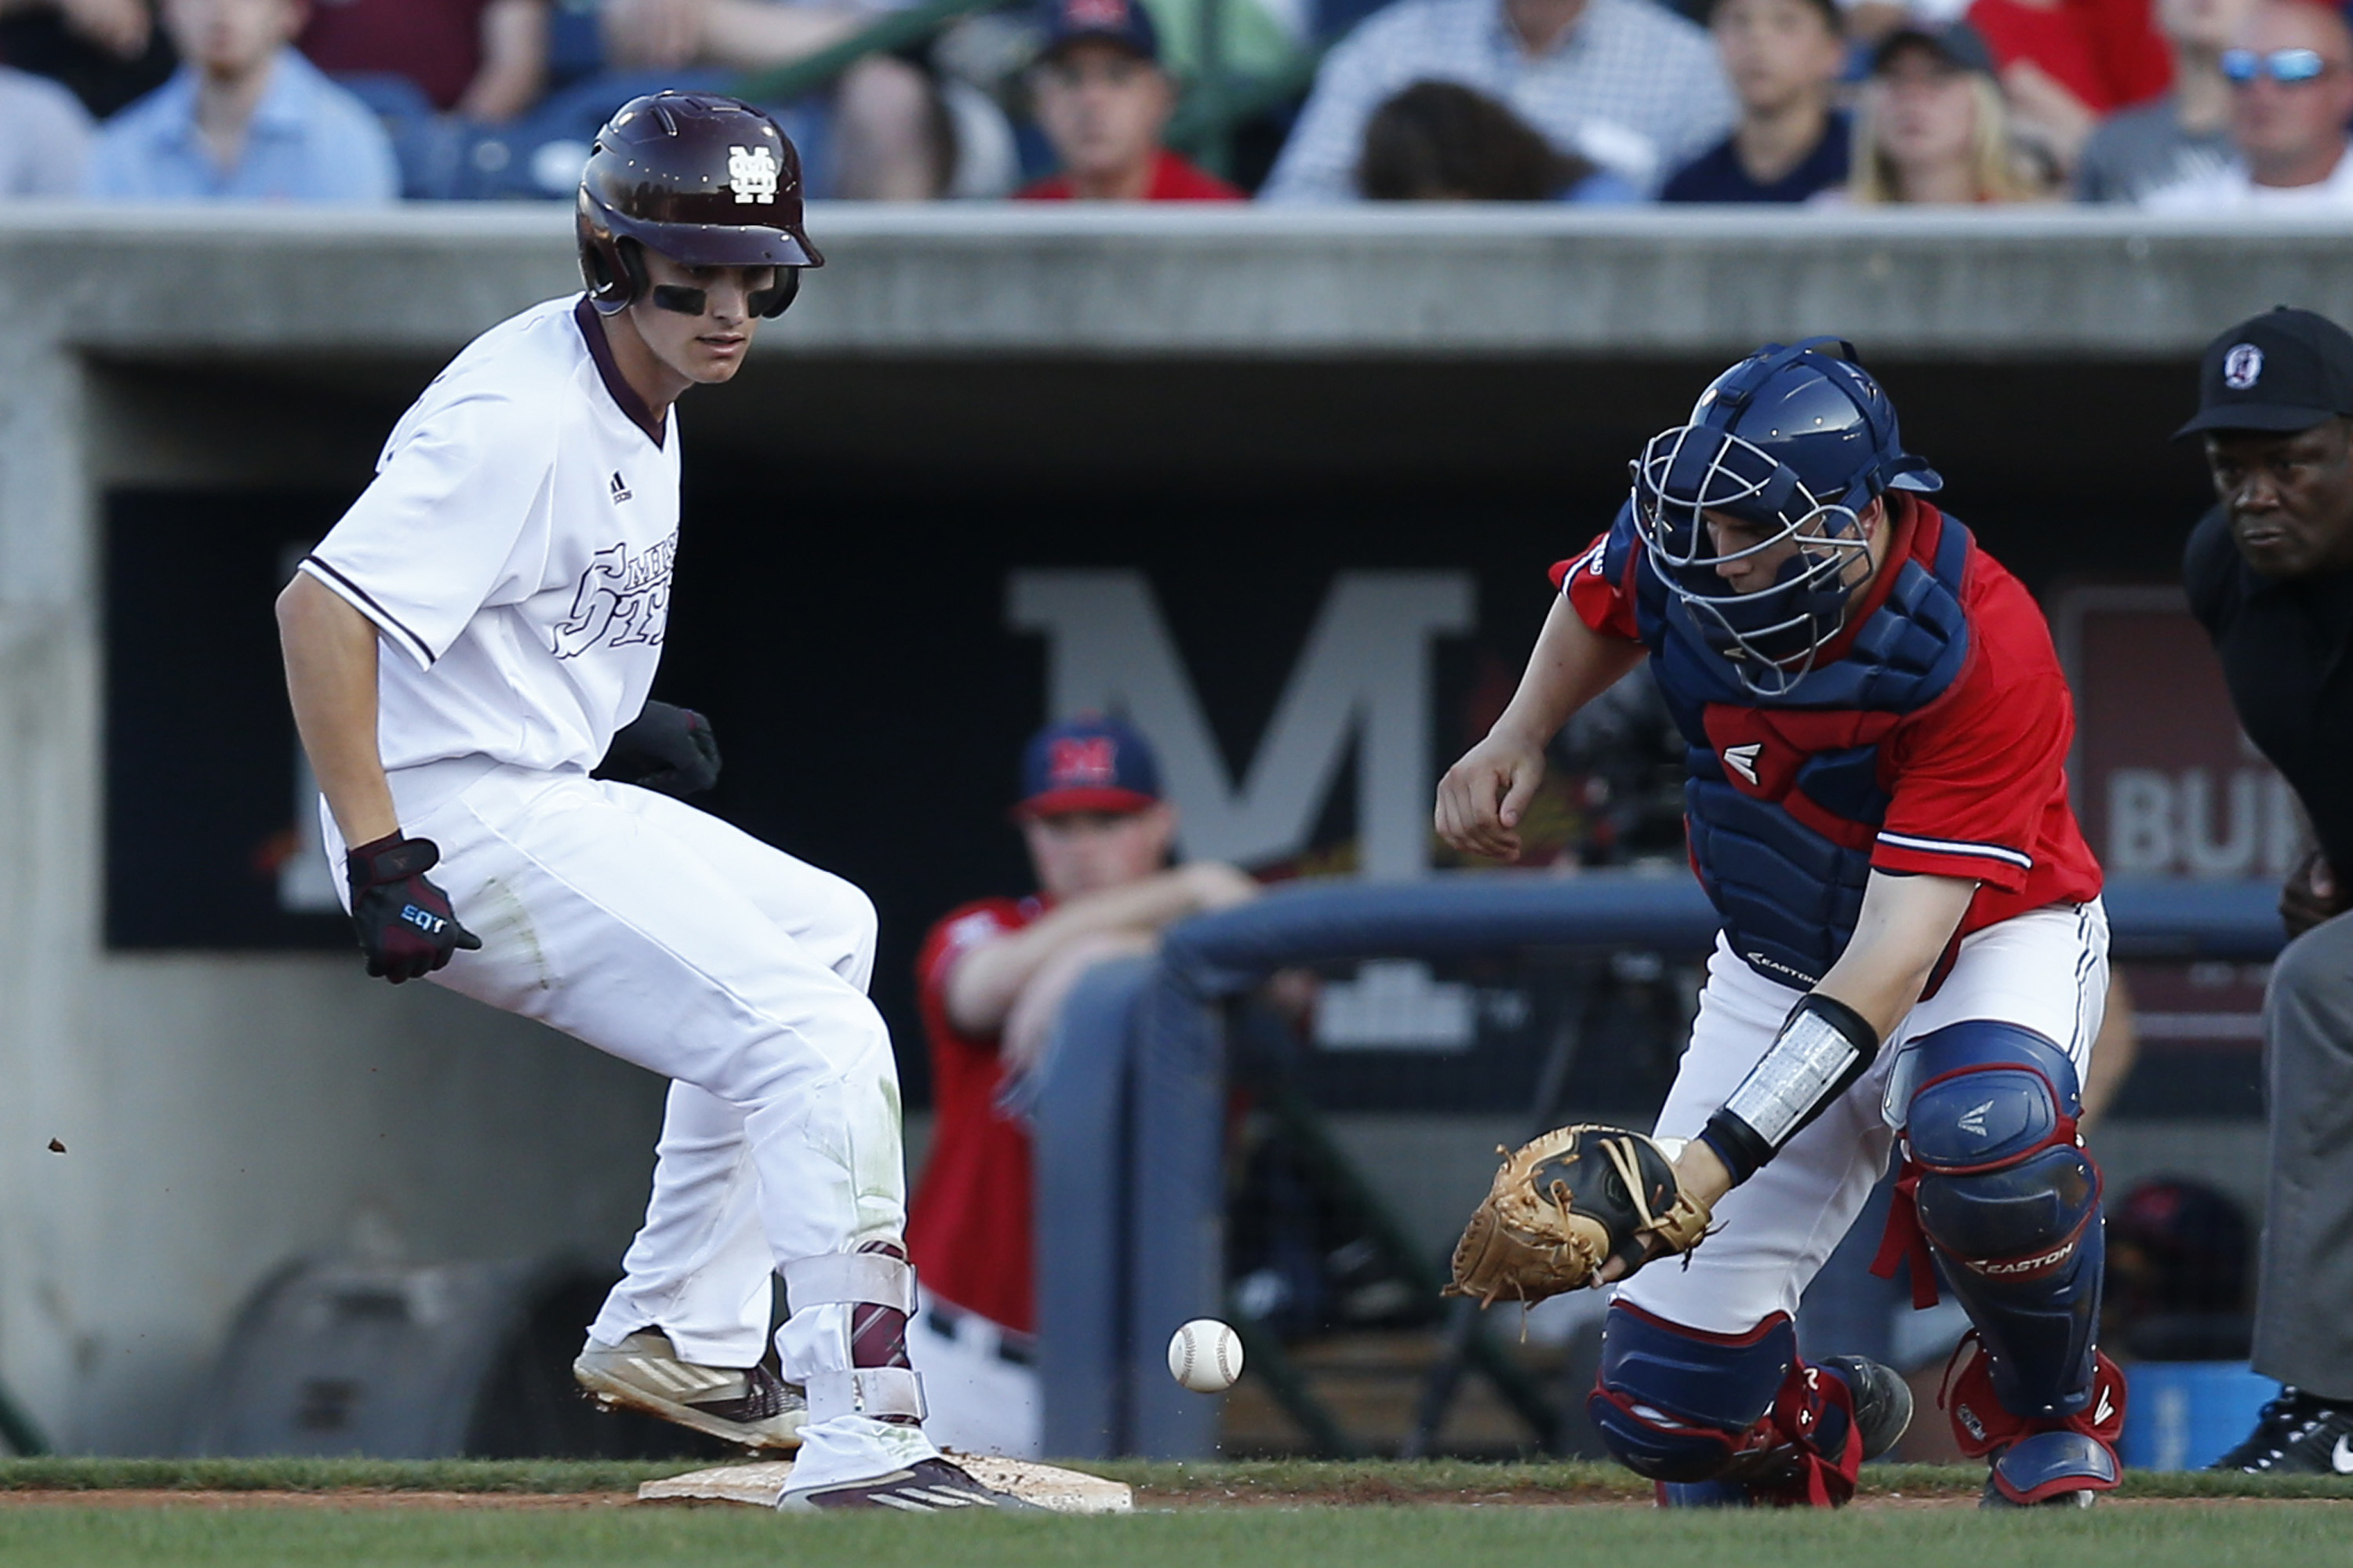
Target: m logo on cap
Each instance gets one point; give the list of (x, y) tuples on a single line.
[(1082, 762), (1109, 14), (2243, 367), (751, 173)]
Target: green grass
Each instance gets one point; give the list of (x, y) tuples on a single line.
[(1364, 1481), (59, 1536), (77, 1475), (1401, 1481)]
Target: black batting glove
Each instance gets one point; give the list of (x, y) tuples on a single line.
[(667, 748), (405, 924)]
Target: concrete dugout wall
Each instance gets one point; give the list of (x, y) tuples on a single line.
[(222, 1111)]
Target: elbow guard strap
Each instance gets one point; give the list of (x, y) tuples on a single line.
[(1823, 1049)]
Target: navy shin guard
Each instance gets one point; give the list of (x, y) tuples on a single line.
[(2009, 1203), (1723, 1419)]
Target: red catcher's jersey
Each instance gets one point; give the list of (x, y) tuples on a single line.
[(968, 1228), (1976, 780)]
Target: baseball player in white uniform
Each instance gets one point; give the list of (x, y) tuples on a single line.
[(462, 650)]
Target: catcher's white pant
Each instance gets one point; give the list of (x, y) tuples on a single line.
[(2047, 970), (982, 1401), (668, 939)]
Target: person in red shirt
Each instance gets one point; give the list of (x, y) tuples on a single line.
[(1103, 102), (2065, 65), (1913, 950), (486, 60), (991, 978)]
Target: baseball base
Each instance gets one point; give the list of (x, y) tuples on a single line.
[(1048, 1486)]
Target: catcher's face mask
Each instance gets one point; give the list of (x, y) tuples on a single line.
[(1769, 583)]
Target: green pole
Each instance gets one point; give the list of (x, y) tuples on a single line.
[(1198, 123), (1218, 143)]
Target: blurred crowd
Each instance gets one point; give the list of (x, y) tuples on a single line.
[(2182, 106)]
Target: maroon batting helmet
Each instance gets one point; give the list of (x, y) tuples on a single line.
[(705, 180)]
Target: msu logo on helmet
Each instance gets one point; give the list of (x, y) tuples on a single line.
[(751, 173)]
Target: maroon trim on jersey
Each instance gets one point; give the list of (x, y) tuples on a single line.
[(386, 616), (625, 396)]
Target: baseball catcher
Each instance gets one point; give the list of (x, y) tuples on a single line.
[(1913, 955)]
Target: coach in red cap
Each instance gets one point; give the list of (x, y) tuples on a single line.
[(991, 977), (1103, 102)]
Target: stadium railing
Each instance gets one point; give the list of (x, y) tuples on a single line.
[(1129, 1104)]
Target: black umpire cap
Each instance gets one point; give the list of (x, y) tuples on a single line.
[(2285, 370)]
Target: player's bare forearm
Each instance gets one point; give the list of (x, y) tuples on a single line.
[(514, 61), (1904, 926), (1483, 796), (1031, 1023), (1570, 665), (986, 981), (331, 679), (751, 34)]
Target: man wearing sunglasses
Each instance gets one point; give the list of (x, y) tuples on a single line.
[(2291, 81)]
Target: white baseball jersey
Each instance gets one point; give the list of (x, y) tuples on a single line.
[(516, 545)]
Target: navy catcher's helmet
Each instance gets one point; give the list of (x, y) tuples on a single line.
[(1794, 442), (705, 180)]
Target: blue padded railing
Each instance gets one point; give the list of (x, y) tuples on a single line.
[(1452, 915), (1130, 1107)]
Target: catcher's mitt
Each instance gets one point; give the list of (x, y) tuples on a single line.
[(1564, 1205)]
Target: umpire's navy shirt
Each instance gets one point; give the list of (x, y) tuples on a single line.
[(2286, 649)]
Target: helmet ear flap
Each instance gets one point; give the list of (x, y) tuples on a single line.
[(774, 300), (632, 258), (603, 268)]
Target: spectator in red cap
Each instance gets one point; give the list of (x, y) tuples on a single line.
[(991, 978), (1103, 102)]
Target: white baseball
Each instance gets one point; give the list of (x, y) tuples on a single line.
[(1206, 1356)]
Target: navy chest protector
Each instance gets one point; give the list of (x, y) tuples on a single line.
[(1782, 797)]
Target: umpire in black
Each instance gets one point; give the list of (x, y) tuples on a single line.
[(2270, 573)]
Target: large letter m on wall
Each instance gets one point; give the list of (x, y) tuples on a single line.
[(1363, 676)]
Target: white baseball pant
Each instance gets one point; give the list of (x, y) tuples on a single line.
[(2047, 970), (982, 1399), (665, 936)]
